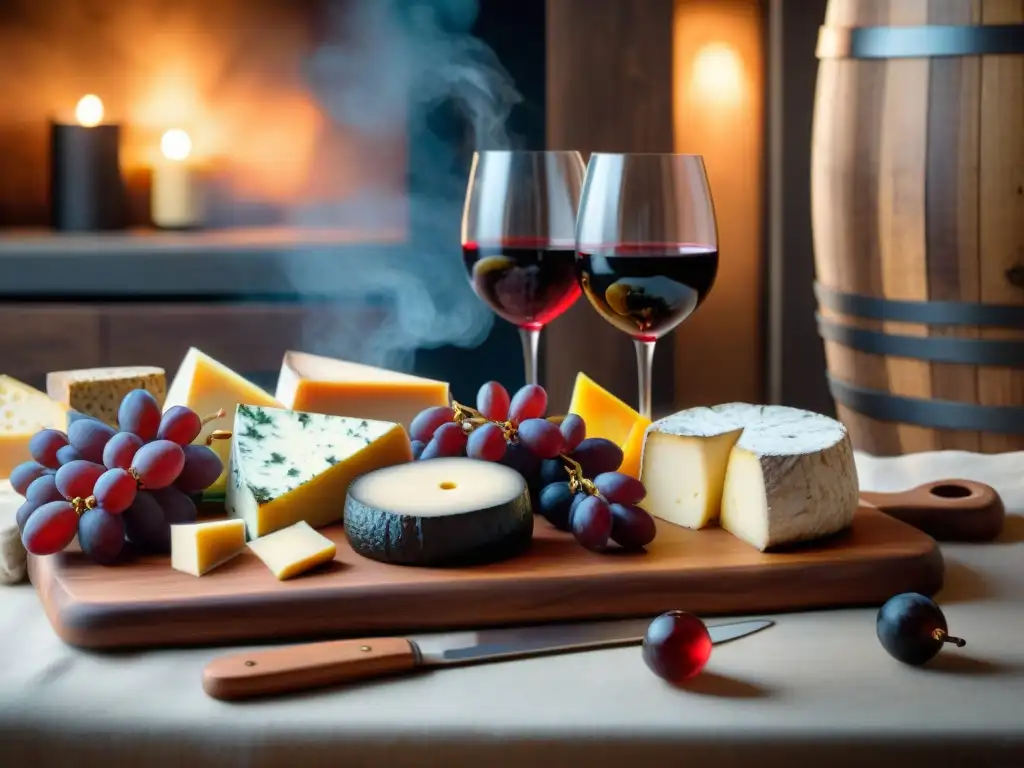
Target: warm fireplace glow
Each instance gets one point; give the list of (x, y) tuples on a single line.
[(717, 75), (89, 111), (176, 145)]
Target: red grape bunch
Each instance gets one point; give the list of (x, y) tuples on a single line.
[(567, 472), (106, 486)]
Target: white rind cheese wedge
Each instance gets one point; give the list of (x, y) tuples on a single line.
[(771, 475), (287, 466)]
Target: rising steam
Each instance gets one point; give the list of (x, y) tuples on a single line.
[(395, 62)]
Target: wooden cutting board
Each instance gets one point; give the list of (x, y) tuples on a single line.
[(143, 603)]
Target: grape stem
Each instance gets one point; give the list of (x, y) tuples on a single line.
[(577, 482), (940, 634), (212, 417), (218, 434), (470, 418), (82, 505)]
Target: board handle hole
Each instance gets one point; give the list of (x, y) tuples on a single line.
[(951, 491), (447, 485)]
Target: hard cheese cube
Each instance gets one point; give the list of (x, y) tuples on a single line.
[(24, 411), (608, 417), (198, 548), (772, 475), (206, 386), (98, 392), (340, 388), (293, 550), (288, 466)]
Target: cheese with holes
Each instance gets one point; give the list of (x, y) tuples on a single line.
[(289, 466), (607, 416), (98, 392), (207, 386), (293, 550), (323, 385), (24, 410), (771, 475), (198, 548)]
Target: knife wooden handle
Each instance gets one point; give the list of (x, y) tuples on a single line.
[(947, 510), (301, 667)]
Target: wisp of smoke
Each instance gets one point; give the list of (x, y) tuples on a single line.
[(396, 60)]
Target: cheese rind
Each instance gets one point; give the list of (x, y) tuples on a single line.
[(198, 548), (316, 384), (607, 416), (207, 386), (98, 392), (773, 475), (288, 466), (24, 410), (293, 550)]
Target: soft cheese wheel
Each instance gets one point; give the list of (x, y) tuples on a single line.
[(774, 475), (439, 512)]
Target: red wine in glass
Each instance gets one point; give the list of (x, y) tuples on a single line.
[(527, 282), (648, 289)]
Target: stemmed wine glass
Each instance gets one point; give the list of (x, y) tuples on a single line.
[(518, 238), (647, 246)]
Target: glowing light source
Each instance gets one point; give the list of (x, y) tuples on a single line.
[(717, 74), (176, 144), (89, 111)]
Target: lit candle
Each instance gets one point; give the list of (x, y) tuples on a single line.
[(176, 200), (86, 188)]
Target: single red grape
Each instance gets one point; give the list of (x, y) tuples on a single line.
[(542, 437), (448, 440), (180, 425), (121, 449), (574, 430), (677, 646), (77, 478), (115, 490), (44, 446), (139, 413), (24, 474), (158, 463), (493, 401), (592, 523), (486, 442), (530, 402), (619, 488), (427, 422)]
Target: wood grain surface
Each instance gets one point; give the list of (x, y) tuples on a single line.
[(144, 603), (918, 194)]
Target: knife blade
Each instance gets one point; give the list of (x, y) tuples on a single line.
[(261, 673)]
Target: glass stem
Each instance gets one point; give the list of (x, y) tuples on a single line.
[(531, 342), (644, 364)]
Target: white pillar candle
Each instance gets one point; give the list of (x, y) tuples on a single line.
[(176, 199)]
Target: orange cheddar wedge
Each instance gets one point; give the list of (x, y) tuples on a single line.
[(607, 416)]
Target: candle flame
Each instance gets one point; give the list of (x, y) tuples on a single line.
[(89, 111), (176, 144)]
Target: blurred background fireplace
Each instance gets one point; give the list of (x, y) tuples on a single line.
[(334, 138)]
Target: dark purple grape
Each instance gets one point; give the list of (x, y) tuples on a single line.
[(530, 402), (578, 499), (597, 455), (148, 521), (115, 490), (120, 450), (50, 528), (101, 535), (43, 490), (417, 448), (486, 442), (23, 475), (554, 504), (139, 413), (67, 454), (573, 430), (78, 478), (178, 507), (522, 460), (202, 468), (620, 488), (912, 628), (44, 446), (542, 437), (90, 437), (493, 401), (180, 425), (553, 471), (158, 464), (592, 523), (632, 527), (429, 421)]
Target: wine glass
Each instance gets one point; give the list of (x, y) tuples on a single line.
[(647, 246), (518, 238)]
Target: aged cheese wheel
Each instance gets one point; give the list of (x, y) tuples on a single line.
[(440, 512)]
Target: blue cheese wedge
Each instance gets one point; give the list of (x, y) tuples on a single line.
[(288, 467)]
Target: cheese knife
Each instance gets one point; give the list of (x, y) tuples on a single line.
[(261, 673)]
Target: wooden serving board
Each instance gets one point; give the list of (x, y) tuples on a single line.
[(144, 603)]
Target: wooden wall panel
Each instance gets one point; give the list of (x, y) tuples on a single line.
[(609, 88), (40, 338)]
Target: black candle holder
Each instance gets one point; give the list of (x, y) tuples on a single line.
[(86, 188)]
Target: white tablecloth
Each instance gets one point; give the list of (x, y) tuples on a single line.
[(817, 690)]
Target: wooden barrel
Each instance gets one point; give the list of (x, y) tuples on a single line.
[(918, 217)]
